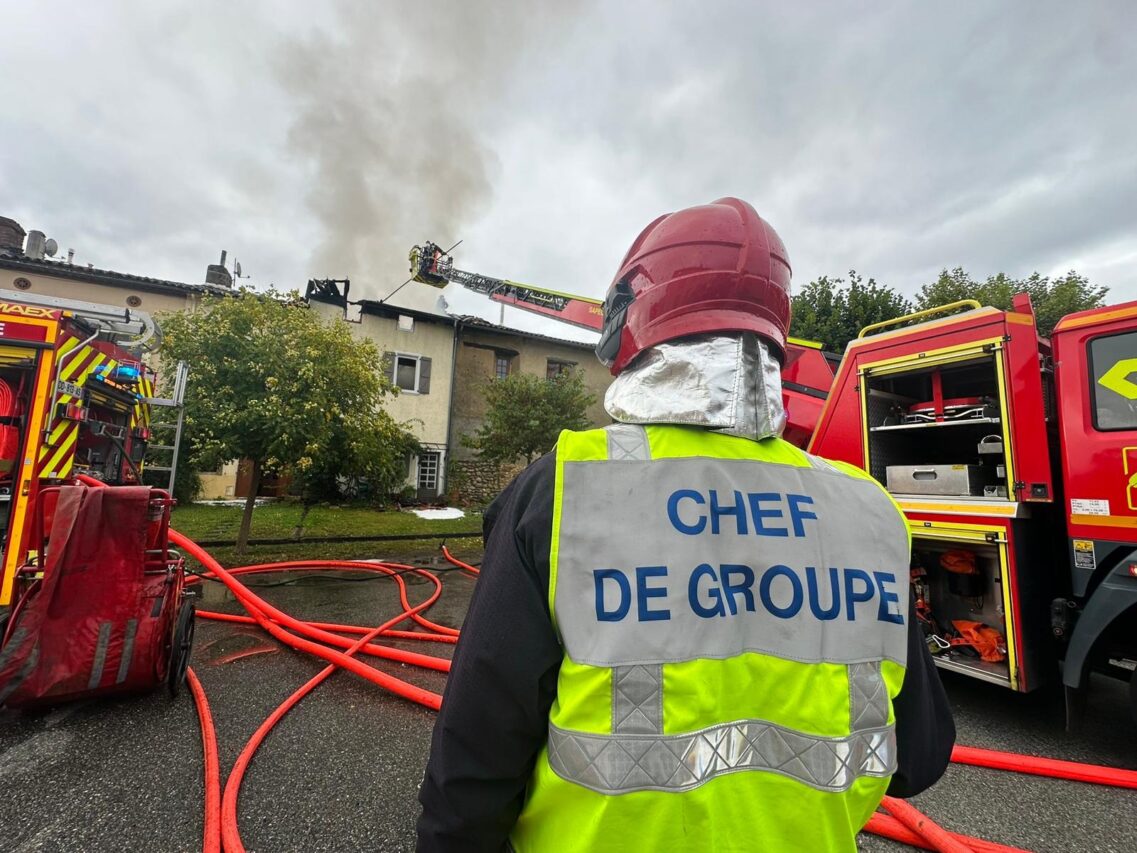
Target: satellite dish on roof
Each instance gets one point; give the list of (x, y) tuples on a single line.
[(50, 247), (237, 268)]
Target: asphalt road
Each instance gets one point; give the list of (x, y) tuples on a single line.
[(341, 771)]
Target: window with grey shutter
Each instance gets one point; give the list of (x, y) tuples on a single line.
[(424, 375), (388, 366)]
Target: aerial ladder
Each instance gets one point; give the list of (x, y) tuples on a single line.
[(806, 375)]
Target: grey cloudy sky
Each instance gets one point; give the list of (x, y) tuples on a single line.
[(311, 139)]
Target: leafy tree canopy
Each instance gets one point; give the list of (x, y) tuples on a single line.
[(273, 383), (527, 413), (1052, 298), (833, 310)]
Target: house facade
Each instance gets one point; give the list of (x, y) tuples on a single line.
[(488, 353), (416, 338), (442, 364)]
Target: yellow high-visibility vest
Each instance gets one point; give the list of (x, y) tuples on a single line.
[(733, 615)]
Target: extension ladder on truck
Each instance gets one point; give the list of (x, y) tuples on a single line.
[(170, 427)]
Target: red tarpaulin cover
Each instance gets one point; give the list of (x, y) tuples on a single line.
[(97, 624)]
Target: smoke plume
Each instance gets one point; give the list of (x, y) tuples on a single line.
[(393, 106)]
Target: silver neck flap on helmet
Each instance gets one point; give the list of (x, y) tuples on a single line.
[(728, 383)]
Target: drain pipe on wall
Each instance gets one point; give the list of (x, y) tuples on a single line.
[(450, 405)]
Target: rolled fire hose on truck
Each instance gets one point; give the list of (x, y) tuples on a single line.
[(901, 821)]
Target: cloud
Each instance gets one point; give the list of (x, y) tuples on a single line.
[(324, 140)]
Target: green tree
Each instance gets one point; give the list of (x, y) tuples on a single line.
[(1052, 298), (272, 383), (833, 311), (527, 413)]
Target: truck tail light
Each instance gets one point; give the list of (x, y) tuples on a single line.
[(1133, 570)]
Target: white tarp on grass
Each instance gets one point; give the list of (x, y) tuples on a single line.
[(439, 514)]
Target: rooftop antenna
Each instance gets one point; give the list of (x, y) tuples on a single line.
[(237, 270)]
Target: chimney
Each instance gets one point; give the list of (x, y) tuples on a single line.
[(217, 274), (35, 247), (11, 236)]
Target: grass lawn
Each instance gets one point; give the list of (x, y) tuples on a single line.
[(279, 520)]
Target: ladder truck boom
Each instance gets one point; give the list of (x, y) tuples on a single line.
[(806, 375), (430, 265)]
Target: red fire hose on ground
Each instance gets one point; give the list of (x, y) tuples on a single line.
[(903, 822)]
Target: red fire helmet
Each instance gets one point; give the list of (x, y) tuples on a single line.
[(717, 267)]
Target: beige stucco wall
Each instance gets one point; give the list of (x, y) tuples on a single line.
[(104, 294), (426, 415), (429, 412), (219, 486), (475, 368)]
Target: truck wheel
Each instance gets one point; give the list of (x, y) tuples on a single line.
[(181, 648)]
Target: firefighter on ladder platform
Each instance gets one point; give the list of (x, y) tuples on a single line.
[(688, 634)]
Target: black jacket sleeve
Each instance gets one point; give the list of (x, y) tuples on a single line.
[(925, 731), (495, 708)]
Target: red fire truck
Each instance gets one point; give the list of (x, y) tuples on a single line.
[(1013, 456), (73, 394), (91, 595)]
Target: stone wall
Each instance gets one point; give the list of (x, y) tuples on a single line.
[(476, 481)]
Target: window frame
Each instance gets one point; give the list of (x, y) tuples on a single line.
[(500, 356), (563, 367), (417, 359), (434, 456), (1094, 380)]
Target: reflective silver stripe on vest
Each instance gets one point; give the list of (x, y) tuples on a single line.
[(637, 691), (619, 764), (637, 700), (868, 697), (628, 441), (100, 656)]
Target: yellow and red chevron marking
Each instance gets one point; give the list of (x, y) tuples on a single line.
[(140, 418), (80, 365), (57, 455)]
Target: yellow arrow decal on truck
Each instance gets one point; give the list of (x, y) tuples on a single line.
[(1116, 379)]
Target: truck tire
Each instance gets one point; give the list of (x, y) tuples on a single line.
[(181, 648)]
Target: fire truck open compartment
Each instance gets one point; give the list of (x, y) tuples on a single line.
[(16, 380), (951, 597), (938, 429), (99, 451)]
